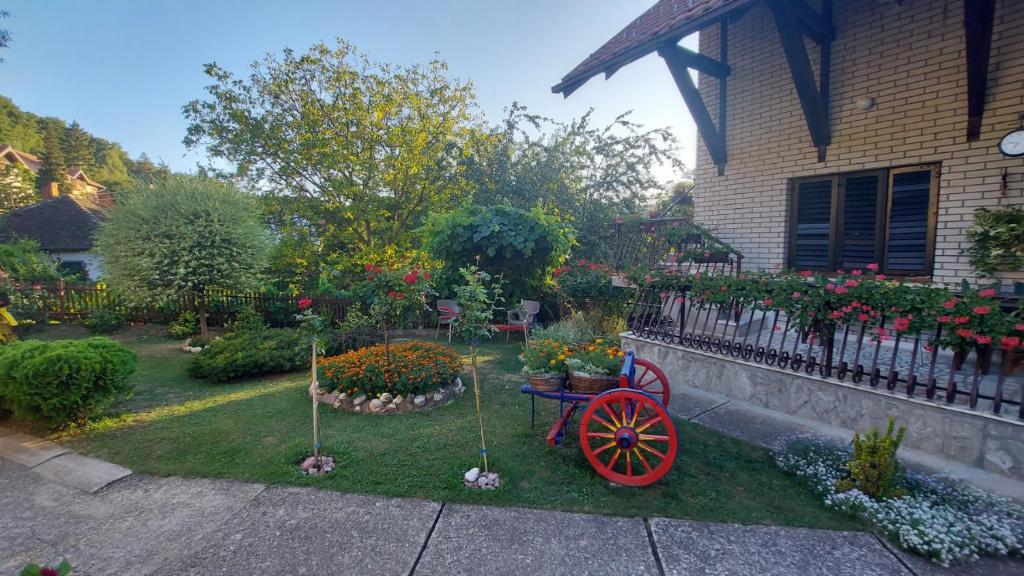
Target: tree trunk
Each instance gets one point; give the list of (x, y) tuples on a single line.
[(203, 329)]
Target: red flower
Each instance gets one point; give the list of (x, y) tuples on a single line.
[(983, 339), (949, 304), (411, 277), (1019, 327), (981, 310), (767, 302), (901, 324), (852, 283), (369, 267), (305, 303), (392, 294), (945, 318), (582, 262), (830, 287), (962, 319), (680, 299), (929, 347), (873, 267), (426, 275), (987, 292), (882, 332), (48, 572), (965, 333), (880, 277), (862, 317), (841, 290), (856, 272), (836, 314), (1010, 341), (806, 273)]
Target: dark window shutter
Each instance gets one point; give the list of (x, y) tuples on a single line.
[(858, 243), (813, 224), (908, 231)]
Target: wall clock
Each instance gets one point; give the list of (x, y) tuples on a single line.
[(1012, 144)]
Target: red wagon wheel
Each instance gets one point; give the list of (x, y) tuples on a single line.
[(651, 380), (628, 437)]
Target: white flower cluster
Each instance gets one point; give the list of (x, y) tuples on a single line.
[(943, 519)]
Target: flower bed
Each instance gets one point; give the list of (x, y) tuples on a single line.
[(416, 369), (945, 520)]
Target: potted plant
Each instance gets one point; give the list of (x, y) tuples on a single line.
[(997, 243), (973, 321), (544, 364), (595, 367)]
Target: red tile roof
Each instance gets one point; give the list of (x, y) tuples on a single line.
[(668, 20)]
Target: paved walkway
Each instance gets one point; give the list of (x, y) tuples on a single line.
[(106, 520)]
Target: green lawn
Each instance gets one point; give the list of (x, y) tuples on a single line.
[(255, 430)]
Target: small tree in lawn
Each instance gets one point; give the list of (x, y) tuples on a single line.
[(395, 295), (183, 237), (479, 297)]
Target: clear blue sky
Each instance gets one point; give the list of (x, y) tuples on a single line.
[(124, 68)]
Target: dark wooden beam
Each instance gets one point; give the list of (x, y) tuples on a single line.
[(723, 97), (814, 107), (978, 18), (678, 66), (816, 25), (698, 61)]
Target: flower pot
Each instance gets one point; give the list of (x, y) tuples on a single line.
[(586, 384), (546, 382)]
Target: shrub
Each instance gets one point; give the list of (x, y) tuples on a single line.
[(415, 368), (242, 354), (587, 287), (571, 331), (105, 320), (187, 324), (874, 468), (25, 262), (248, 319), (64, 380), (945, 520), (997, 240), (545, 357)]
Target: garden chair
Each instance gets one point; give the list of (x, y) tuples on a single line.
[(447, 312), (524, 318)]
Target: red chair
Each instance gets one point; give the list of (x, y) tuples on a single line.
[(447, 312)]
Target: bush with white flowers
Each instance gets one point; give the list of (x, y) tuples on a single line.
[(946, 520)]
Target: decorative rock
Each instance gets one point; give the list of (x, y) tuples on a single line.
[(404, 407), (419, 400), (387, 398), (359, 399), (472, 475), (484, 481), (398, 400), (331, 398), (195, 349), (438, 395), (376, 406), (390, 409)]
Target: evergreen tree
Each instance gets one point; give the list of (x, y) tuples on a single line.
[(78, 148), (53, 169)]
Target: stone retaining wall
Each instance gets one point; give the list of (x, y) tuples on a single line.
[(981, 440)]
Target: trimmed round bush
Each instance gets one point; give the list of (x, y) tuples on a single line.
[(65, 380), (415, 368), (242, 354)]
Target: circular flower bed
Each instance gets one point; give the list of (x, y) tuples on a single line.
[(418, 375)]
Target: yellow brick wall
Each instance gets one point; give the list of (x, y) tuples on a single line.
[(910, 58)]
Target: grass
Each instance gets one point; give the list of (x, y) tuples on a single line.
[(256, 430)]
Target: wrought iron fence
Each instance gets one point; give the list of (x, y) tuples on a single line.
[(984, 378), (643, 245)]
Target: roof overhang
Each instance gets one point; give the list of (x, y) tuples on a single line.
[(624, 47)]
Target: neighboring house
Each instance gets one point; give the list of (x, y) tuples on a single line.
[(63, 227), (837, 133), (78, 181)]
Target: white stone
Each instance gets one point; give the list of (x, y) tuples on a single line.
[(472, 475), (387, 398), (419, 400), (438, 395), (376, 406), (398, 400), (359, 399)]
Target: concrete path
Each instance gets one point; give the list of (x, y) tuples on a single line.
[(143, 525)]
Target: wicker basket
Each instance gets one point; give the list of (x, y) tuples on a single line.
[(548, 383), (587, 384)]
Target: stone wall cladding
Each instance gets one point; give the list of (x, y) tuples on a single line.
[(910, 58), (957, 434)]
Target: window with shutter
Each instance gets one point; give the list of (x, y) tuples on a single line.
[(910, 232), (812, 238), (863, 201), (851, 220)]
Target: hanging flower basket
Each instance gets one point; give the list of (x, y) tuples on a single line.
[(586, 384)]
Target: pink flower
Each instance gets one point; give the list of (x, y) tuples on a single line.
[(1010, 341), (880, 277), (841, 290), (1019, 327), (873, 267), (962, 319), (305, 303), (980, 339), (806, 273), (778, 328), (852, 283), (987, 292), (767, 302), (796, 294), (862, 317), (981, 310), (856, 272), (883, 332), (830, 287), (847, 309), (965, 333), (929, 347), (949, 304), (836, 314), (680, 299), (901, 324)]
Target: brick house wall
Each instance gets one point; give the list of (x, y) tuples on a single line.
[(910, 59)]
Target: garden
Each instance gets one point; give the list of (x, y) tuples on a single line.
[(283, 324)]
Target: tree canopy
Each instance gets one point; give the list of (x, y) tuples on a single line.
[(184, 235), (363, 151)]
